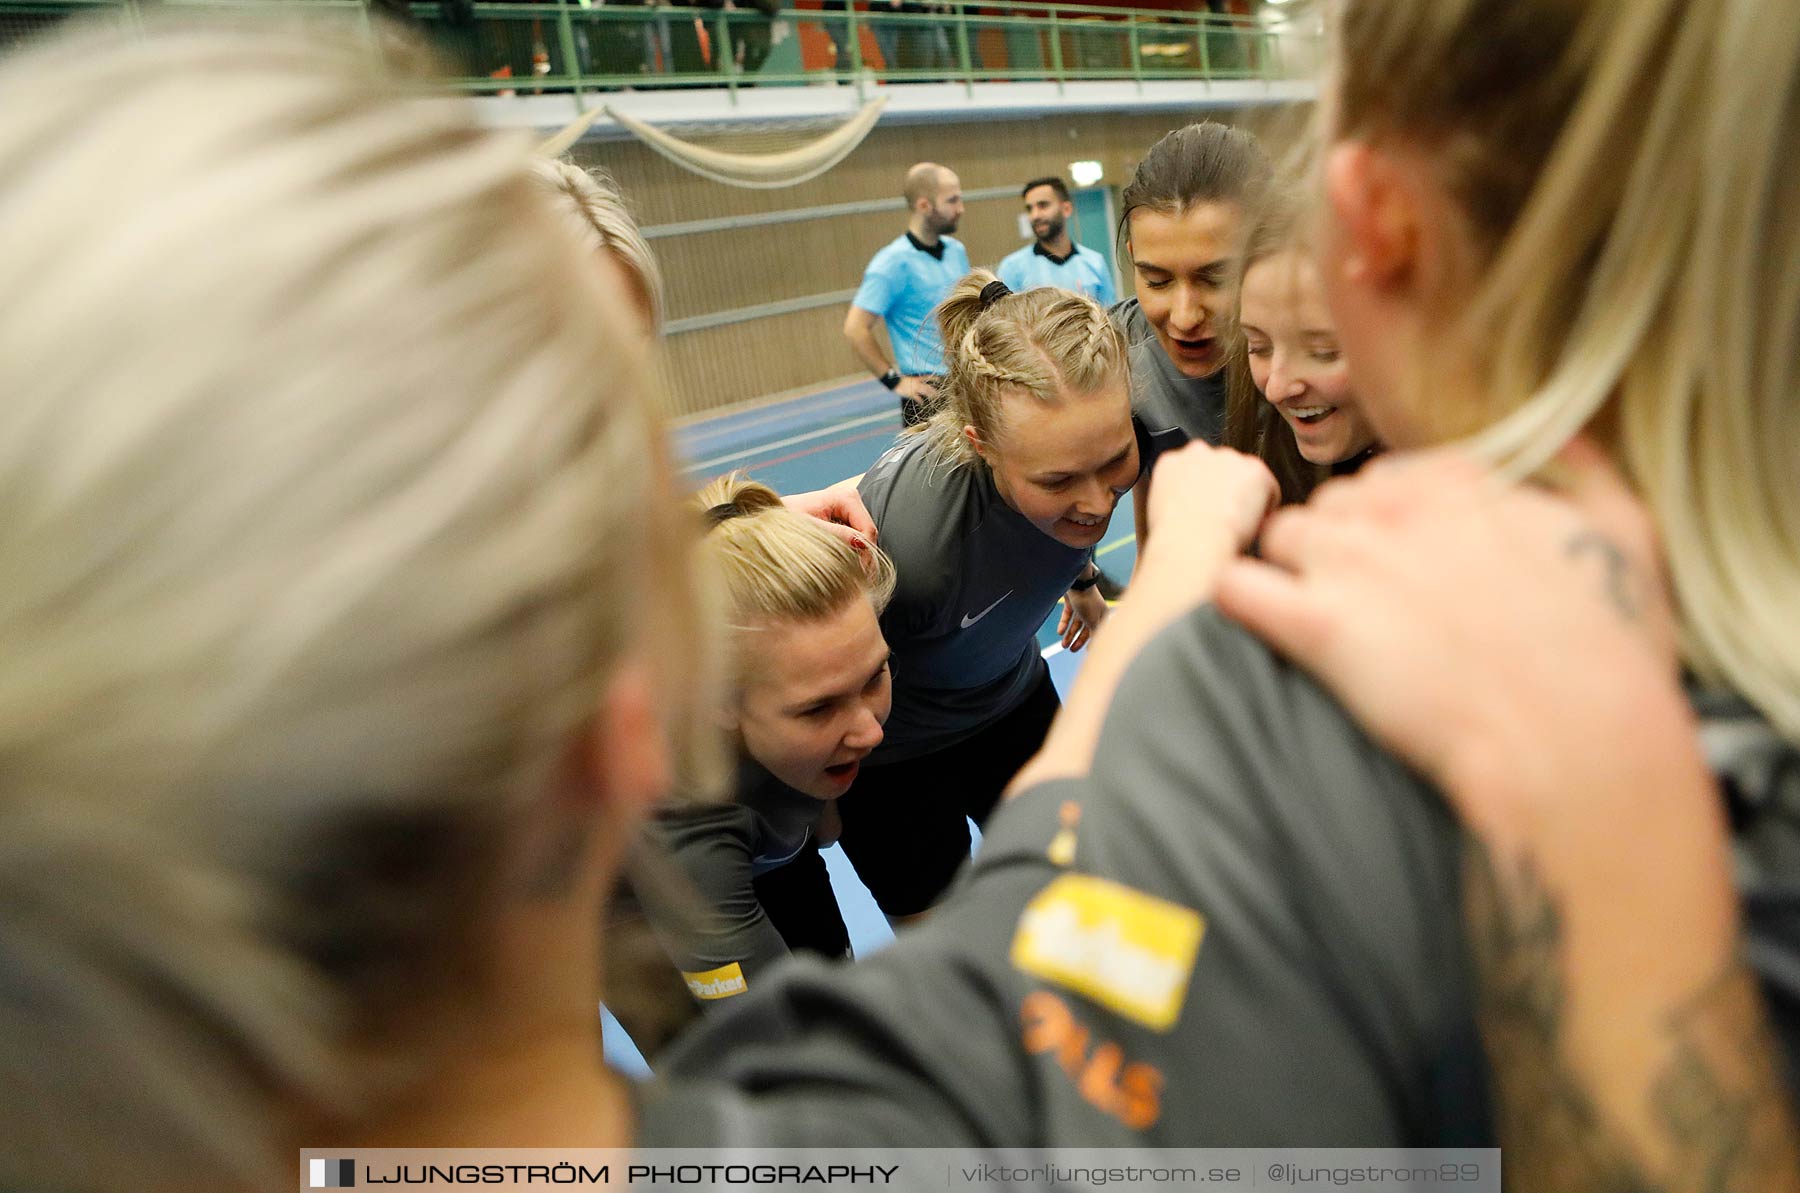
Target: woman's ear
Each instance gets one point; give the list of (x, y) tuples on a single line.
[(628, 763), (974, 438), (1375, 203)]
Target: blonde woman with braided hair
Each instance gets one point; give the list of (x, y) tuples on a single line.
[(991, 512), (809, 691)]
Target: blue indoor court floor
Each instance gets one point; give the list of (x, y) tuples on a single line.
[(804, 443)]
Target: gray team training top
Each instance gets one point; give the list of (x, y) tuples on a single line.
[(721, 848), (1128, 317), (1173, 407), (1247, 932), (976, 580)]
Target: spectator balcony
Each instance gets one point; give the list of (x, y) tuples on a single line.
[(542, 63)]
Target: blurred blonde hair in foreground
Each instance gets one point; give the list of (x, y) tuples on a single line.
[(596, 212), (322, 439), (1629, 171)]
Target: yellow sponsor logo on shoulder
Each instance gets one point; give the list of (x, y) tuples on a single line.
[(1125, 950), (1061, 850), (722, 982)]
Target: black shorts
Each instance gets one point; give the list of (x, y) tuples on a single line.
[(798, 900), (913, 411), (904, 826)]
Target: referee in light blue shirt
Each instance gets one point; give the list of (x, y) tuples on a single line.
[(904, 283), (1054, 259)]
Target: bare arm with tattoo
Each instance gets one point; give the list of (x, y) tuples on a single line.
[(1714, 1108), (1517, 650)]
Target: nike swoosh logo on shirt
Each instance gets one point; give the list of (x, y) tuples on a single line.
[(968, 621)]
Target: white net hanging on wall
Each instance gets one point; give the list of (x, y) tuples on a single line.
[(757, 154)]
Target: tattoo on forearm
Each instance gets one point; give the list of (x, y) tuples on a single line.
[(1622, 585), (1721, 1095), (1550, 1137), (1723, 1117)]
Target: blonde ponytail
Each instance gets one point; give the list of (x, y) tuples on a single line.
[(772, 564)]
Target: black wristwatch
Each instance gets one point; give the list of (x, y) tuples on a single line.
[(1087, 582), (891, 378)]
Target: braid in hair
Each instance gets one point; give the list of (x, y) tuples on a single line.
[(1100, 333), (975, 362), (1038, 343)]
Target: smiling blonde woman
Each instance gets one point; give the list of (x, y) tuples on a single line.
[(991, 513)]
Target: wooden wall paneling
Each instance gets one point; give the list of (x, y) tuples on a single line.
[(712, 272), (725, 366)]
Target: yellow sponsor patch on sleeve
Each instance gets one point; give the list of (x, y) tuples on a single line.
[(722, 982), (1128, 951), (1061, 850)]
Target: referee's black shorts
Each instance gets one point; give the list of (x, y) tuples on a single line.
[(904, 827), (913, 411)]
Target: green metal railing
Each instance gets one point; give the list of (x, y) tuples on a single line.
[(574, 45)]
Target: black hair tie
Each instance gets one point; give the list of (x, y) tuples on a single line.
[(721, 513), (993, 292)]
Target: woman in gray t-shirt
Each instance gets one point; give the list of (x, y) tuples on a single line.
[(810, 693)]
